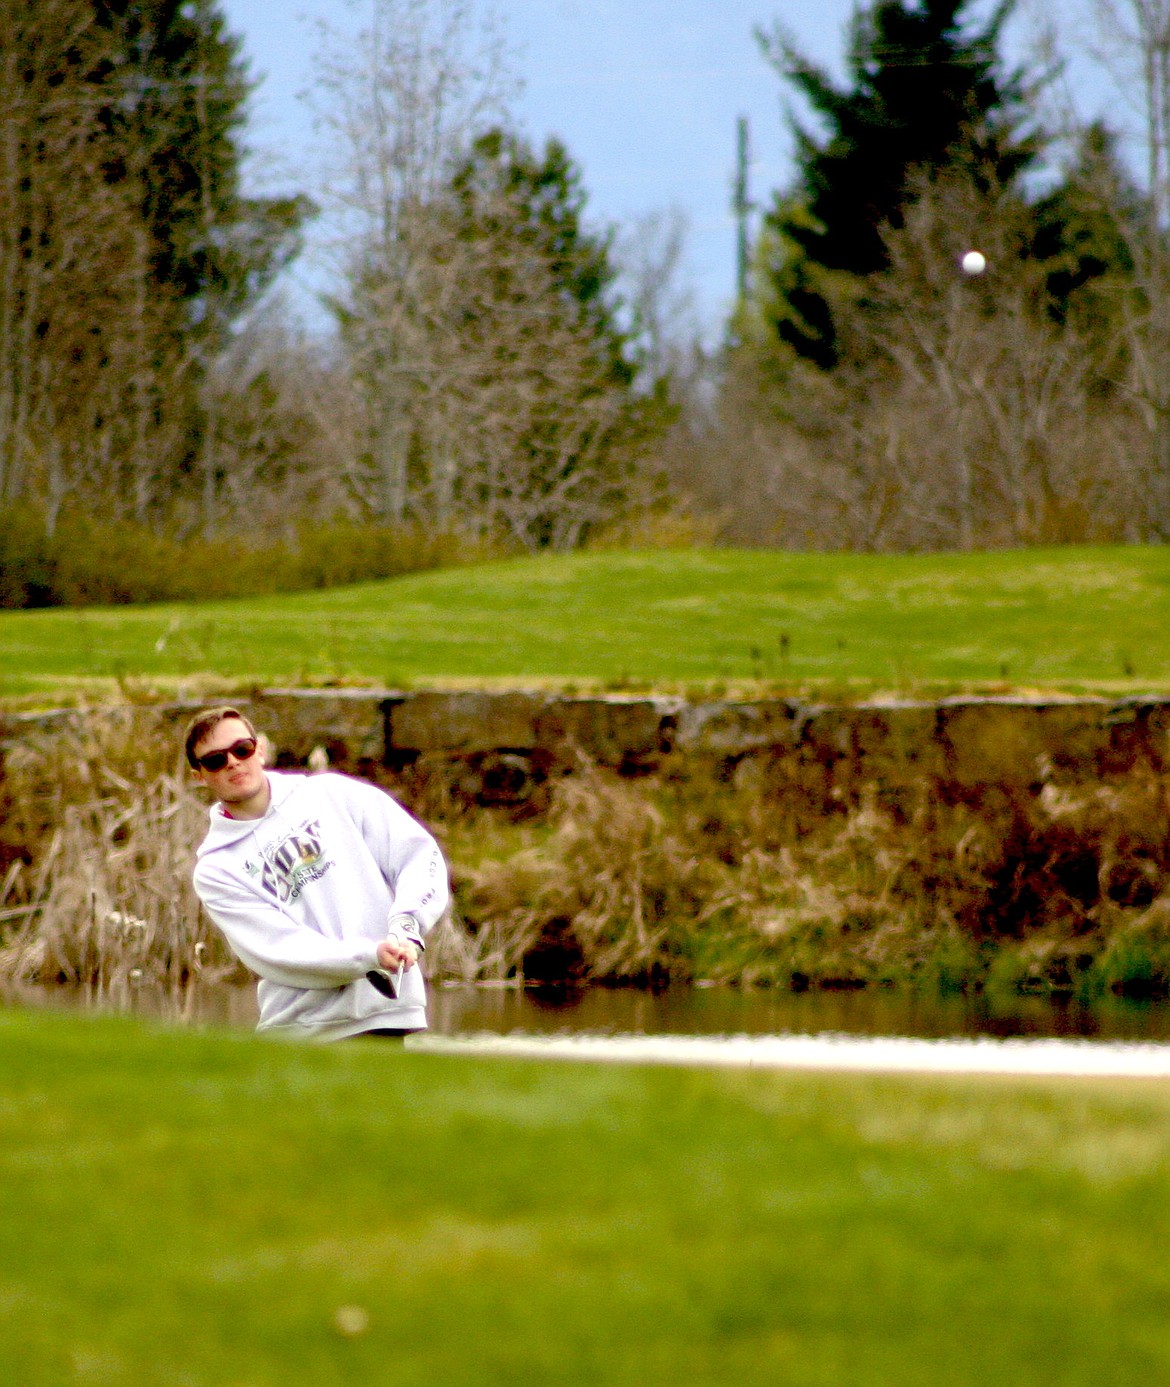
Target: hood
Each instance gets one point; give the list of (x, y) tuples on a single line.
[(225, 832)]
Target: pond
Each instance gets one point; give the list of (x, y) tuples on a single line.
[(738, 1011), (703, 1011)]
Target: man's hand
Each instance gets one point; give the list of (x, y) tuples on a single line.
[(395, 951)]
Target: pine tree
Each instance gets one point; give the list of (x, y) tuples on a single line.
[(533, 203), (546, 288), (1086, 229), (175, 89), (501, 385), (925, 94), (127, 247)]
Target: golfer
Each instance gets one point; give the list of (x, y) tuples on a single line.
[(323, 886)]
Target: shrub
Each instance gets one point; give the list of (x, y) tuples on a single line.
[(88, 561)]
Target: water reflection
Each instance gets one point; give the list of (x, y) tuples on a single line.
[(736, 1011), (679, 1011), (219, 1005)]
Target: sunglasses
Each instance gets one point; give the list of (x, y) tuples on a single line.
[(242, 750)]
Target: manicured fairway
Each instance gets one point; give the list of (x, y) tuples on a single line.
[(182, 1208), (1075, 618)]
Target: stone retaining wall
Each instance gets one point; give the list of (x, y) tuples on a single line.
[(509, 738)]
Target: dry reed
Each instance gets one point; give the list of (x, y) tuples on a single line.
[(770, 872), (100, 827), (772, 877)]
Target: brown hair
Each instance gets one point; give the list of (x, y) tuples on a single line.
[(202, 723)]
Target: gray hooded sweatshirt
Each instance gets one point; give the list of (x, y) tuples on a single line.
[(303, 896)]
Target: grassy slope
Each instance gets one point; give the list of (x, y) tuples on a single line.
[(1070, 618), (186, 1208)]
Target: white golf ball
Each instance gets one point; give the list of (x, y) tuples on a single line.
[(973, 263)]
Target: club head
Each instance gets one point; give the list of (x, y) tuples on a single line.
[(385, 983)]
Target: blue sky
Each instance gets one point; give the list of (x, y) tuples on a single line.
[(645, 94)]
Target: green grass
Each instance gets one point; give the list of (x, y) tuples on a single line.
[(1073, 619), (181, 1208)]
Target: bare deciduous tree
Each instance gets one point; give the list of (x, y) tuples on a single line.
[(1132, 43), (650, 253), (965, 417), (488, 401), (401, 106)]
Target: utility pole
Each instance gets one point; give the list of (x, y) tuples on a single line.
[(741, 205)]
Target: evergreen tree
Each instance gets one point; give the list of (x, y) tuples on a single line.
[(1085, 232), (925, 93), (546, 286), (533, 203), (127, 248), (174, 89), (500, 384)]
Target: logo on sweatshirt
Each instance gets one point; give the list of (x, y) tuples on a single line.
[(292, 862)]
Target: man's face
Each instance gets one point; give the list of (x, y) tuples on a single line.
[(238, 780)]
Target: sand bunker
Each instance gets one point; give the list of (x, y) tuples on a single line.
[(892, 1055)]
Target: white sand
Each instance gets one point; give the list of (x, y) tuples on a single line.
[(872, 1054)]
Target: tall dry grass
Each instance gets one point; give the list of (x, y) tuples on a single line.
[(772, 875), (100, 826), (769, 872)]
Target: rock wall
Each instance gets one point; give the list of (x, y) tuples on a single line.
[(503, 742)]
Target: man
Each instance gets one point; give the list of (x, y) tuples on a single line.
[(323, 886)]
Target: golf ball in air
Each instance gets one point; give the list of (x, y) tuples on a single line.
[(973, 263)]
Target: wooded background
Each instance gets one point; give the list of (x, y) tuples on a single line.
[(505, 375)]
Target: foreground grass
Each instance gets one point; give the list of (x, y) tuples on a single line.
[(194, 1208), (1072, 618)]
